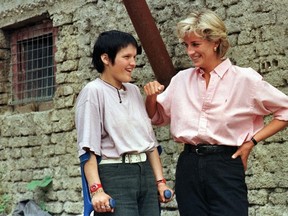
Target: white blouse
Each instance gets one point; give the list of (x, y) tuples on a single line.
[(111, 122)]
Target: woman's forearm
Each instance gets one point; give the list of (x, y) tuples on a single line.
[(270, 129), (151, 105)]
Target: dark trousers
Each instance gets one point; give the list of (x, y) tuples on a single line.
[(133, 188), (210, 185)]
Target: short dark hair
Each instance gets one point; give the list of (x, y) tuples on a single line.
[(111, 42)]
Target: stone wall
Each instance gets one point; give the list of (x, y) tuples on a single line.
[(41, 141)]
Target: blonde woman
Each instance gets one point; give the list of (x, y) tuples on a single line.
[(217, 110)]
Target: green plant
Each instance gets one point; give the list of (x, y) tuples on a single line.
[(5, 199), (43, 206), (42, 184), (39, 183), (4, 203)]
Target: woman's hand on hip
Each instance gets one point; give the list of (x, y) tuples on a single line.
[(244, 151)]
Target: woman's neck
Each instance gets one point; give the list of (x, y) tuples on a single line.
[(211, 66), (109, 82)]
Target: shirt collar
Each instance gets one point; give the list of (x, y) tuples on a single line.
[(221, 69)]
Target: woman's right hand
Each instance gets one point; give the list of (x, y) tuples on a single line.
[(161, 189), (100, 201), (153, 88)]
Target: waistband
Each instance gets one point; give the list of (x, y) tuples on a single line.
[(206, 149), (126, 158)]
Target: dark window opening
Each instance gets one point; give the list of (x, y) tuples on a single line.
[(33, 65)]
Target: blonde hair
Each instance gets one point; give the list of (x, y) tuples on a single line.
[(207, 25)]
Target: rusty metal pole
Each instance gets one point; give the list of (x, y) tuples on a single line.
[(151, 40)]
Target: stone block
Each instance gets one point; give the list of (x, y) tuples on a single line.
[(55, 208), (60, 19), (258, 197), (73, 207), (279, 197), (272, 210)]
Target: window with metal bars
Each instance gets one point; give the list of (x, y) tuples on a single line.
[(33, 65)]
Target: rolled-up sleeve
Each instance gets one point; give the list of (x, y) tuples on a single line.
[(270, 100), (160, 118)]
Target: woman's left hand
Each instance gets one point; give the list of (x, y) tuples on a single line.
[(244, 151)]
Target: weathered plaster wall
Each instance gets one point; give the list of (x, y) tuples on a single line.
[(35, 142)]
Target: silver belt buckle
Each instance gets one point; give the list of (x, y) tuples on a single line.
[(134, 158)]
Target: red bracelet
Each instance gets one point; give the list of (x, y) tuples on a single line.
[(161, 181), (94, 187)]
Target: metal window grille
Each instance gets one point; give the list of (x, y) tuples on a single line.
[(33, 66)]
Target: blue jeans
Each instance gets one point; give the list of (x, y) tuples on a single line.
[(210, 185), (133, 188)]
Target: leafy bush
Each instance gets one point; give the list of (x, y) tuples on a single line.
[(4, 203)]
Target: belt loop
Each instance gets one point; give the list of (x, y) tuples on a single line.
[(187, 148), (123, 158)]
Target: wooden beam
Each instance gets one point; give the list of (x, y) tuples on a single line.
[(151, 40)]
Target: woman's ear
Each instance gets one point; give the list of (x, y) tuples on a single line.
[(217, 43), (105, 59)]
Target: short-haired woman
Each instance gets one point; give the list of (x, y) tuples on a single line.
[(113, 126)]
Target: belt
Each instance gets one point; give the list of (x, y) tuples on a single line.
[(206, 149), (126, 158)]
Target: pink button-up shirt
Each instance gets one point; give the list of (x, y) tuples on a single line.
[(230, 111)]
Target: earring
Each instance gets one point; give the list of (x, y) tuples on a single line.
[(215, 48)]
